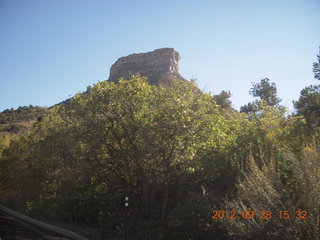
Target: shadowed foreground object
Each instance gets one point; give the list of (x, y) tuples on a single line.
[(160, 66), (16, 226)]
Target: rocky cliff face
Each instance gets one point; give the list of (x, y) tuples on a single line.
[(160, 66)]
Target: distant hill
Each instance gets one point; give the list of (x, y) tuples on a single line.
[(17, 120)]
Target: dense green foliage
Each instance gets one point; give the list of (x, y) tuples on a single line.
[(267, 93), (25, 113), (178, 153), (223, 99), (308, 105), (316, 67)]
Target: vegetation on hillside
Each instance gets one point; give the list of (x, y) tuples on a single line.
[(22, 114)]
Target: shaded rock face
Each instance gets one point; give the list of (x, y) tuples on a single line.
[(160, 66)]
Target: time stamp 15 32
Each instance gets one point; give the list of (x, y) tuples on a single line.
[(263, 214)]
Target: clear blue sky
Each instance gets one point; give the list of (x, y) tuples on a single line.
[(50, 50)]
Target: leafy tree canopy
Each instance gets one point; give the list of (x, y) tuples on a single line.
[(308, 105), (266, 91), (316, 67), (223, 99)]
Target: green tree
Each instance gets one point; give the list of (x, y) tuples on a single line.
[(223, 99), (251, 107), (316, 67), (308, 105), (266, 91), (125, 138)]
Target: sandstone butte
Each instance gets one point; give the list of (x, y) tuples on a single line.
[(159, 66)]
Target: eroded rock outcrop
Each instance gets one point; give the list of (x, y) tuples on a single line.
[(160, 66)]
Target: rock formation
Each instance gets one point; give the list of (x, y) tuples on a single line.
[(160, 66)]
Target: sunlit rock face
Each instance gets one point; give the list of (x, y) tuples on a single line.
[(160, 66)]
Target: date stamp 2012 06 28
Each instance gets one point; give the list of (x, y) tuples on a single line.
[(263, 214)]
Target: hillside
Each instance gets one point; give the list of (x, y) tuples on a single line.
[(17, 120)]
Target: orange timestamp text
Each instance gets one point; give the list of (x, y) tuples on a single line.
[(263, 214)]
